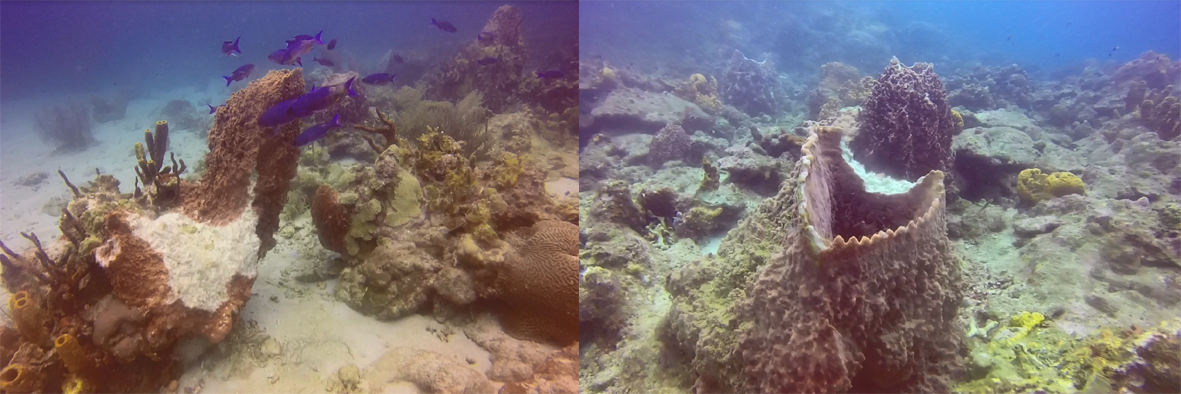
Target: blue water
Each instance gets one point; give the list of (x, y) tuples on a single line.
[(50, 48), (800, 36)]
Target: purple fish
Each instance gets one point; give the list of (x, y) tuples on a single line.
[(284, 57), (550, 74), (229, 47), (324, 62), (213, 109), (332, 44), (379, 79), (320, 98), (317, 132), (486, 61), (277, 115), (444, 25), (485, 36), (303, 44), (240, 74)]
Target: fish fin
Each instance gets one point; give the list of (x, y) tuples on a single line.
[(349, 85), (318, 40), (228, 80), (300, 61), (236, 44), (336, 121)]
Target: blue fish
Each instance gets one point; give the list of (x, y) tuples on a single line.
[(324, 62), (284, 57), (229, 47), (317, 132), (378, 79), (303, 44), (550, 74), (444, 25), (332, 44), (240, 74), (486, 61), (319, 99), (277, 115)]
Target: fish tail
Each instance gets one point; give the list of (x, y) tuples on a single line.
[(228, 80), (300, 61), (236, 44), (336, 121), (318, 40), (349, 85)]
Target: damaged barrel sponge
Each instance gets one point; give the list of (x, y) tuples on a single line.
[(864, 296)]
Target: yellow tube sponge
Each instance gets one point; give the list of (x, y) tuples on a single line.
[(72, 355), (29, 317), (75, 385), (18, 378)]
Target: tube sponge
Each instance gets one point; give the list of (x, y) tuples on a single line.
[(29, 317), (71, 353), (18, 378)]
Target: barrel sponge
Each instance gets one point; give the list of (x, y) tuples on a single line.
[(29, 317), (72, 355), (906, 124), (541, 287), (864, 295)]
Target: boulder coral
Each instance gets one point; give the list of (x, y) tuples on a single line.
[(541, 287)]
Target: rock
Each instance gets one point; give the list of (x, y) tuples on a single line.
[(270, 348), (638, 110), (1030, 227)]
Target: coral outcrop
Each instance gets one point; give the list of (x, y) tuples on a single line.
[(752, 87), (66, 127), (497, 82), (670, 143), (820, 318), (131, 278), (906, 126)]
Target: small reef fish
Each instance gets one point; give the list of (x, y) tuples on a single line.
[(379, 79), (398, 59), (239, 74), (1112, 51), (332, 44), (303, 44), (317, 132), (444, 25), (324, 62), (228, 48), (550, 74), (277, 115), (320, 98), (485, 36), (486, 61), (284, 57), (212, 109)]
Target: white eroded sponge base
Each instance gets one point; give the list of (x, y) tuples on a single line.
[(202, 259)]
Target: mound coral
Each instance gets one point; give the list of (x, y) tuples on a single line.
[(906, 125), (1033, 186), (670, 143), (751, 86), (541, 287), (864, 296)]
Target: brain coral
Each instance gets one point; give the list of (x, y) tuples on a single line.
[(906, 125), (863, 297), (541, 287)]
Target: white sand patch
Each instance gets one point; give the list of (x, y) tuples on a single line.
[(562, 187), (320, 334)]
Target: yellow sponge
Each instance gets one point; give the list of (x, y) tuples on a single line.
[(1033, 186)]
